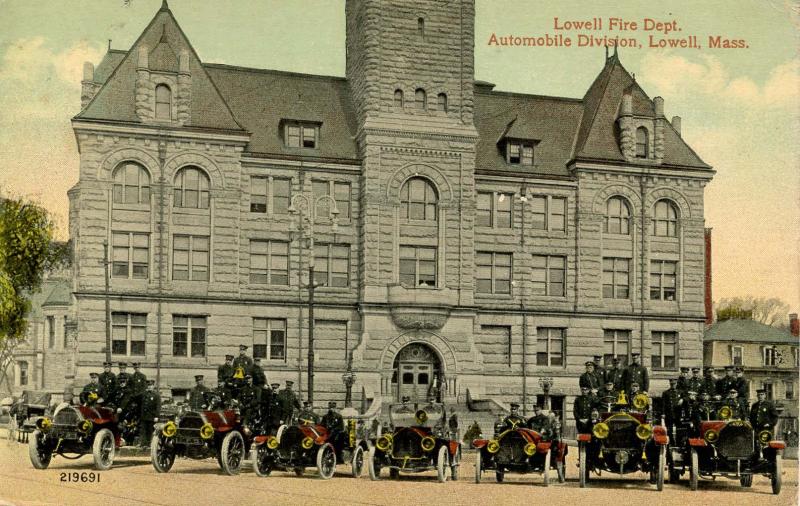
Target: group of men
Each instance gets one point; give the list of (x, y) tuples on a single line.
[(132, 396), (541, 421), (617, 378)]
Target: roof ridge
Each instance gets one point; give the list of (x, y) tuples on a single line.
[(531, 95), (240, 68), (614, 61)]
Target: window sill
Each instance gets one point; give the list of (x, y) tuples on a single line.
[(130, 207), (197, 211)]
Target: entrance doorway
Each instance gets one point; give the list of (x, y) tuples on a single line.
[(417, 373)]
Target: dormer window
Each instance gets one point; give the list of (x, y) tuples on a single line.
[(642, 143), (301, 135), (519, 152)]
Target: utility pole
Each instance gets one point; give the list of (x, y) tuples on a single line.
[(106, 263)]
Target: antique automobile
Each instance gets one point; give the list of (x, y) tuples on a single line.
[(420, 438), (74, 431), (31, 405), (521, 450), (200, 435), (731, 448), (307, 444), (623, 442)]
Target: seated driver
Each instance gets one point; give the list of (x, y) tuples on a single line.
[(539, 422), (404, 407), (307, 415), (334, 422), (514, 419)]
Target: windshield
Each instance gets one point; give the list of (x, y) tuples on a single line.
[(421, 414)]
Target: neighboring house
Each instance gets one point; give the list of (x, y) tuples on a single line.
[(768, 355), (483, 236)]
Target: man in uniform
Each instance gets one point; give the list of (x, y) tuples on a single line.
[(334, 422), (123, 373), (151, 406), (690, 413), (608, 396), (108, 381), (93, 393), (589, 379), (708, 382), (259, 378), (274, 410), (513, 419), (138, 381), (670, 404), (599, 370), (636, 373), (727, 382), (683, 381), (706, 408), (197, 395), (225, 376), (307, 415), (539, 422), (696, 383), (243, 361), (582, 411), (743, 387), (289, 402), (616, 374), (732, 402), (763, 414), (250, 400), (123, 399)]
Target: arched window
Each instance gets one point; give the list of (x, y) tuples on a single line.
[(665, 218), (642, 144), (398, 99), (441, 102), (131, 184), (421, 27), (163, 102), (191, 188), (421, 99), (418, 200), (618, 216)]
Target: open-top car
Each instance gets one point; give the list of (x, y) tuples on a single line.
[(31, 405), (732, 448), (77, 430), (521, 450), (421, 438), (200, 435), (624, 442)]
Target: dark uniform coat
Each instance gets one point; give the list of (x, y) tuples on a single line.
[(540, 423), (707, 384), (332, 421), (274, 409), (707, 410), (138, 383), (582, 411), (608, 397), (763, 415), (617, 375), (637, 373), (589, 380), (197, 397), (92, 388), (151, 406), (259, 378), (725, 384), (224, 374), (600, 374), (682, 385), (243, 361), (250, 399), (288, 401), (670, 403), (109, 383), (511, 421), (127, 377)]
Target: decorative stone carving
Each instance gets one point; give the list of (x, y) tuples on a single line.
[(423, 309), (419, 318)]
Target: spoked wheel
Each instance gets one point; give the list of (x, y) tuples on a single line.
[(357, 462), (455, 463), (232, 452), (103, 449), (262, 461), (478, 466), (583, 473), (442, 462), (777, 471), (40, 455), (373, 466), (546, 472), (326, 461), (161, 455), (746, 480), (662, 463), (694, 470)]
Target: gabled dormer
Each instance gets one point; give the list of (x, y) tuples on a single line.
[(518, 144)]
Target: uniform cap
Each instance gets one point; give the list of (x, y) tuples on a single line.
[(615, 360), (684, 369), (733, 391), (305, 404), (257, 359), (636, 354), (228, 357), (635, 383), (151, 382), (289, 383), (242, 347), (405, 398), (761, 391), (122, 364), (729, 368), (275, 385), (697, 369), (739, 369), (514, 405), (707, 368), (589, 362), (198, 377), (93, 375), (135, 364), (692, 392), (598, 357), (609, 383), (106, 364), (584, 387), (248, 376), (331, 404)]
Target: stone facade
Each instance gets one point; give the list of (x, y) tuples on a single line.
[(488, 342)]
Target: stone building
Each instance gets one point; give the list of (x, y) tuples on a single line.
[(483, 240)]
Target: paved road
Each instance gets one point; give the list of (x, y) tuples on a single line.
[(134, 481)]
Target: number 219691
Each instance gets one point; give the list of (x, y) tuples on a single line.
[(82, 477)]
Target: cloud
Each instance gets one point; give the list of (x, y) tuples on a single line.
[(671, 75), (29, 60)]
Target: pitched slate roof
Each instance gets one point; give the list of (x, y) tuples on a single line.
[(60, 294), (748, 331)]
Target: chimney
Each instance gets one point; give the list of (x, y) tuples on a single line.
[(794, 325), (658, 102), (88, 86), (676, 124), (709, 307)]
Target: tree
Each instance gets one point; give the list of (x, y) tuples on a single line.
[(770, 311), (27, 251)]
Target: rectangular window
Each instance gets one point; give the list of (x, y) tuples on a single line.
[(66, 336), (616, 274), (130, 255), (549, 213), (190, 257), (332, 265), (770, 388), (548, 274), (128, 334), (493, 272), (796, 353), (266, 189), (417, 266), (519, 153), (769, 355), (664, 347), (269, 262), (789, 389), (269, 338), (51, 331), (23, 373), (663, 279), (259, 192), (616, 343), (495, 209), (188, 336), (736, 355), (338, 191), (500, 334), (550, 346), (301, 135)]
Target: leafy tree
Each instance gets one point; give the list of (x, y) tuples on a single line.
[(767, 310), (27, 251)]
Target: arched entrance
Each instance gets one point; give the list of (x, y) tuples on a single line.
[(417, 372)]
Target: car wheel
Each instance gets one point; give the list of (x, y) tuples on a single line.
[(583, 469), (373, 466), (746, 480), (455, 463), (103, 449), (357, 462), (777, 473), (694, 470), (262, 461), (442, 462), (232, 452), (326, 461), (161, 456), (478, 466), (662, 463), (38, 451)]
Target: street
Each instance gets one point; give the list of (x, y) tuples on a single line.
[(133, 480)]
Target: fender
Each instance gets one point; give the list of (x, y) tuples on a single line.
[(697, 441), (777, 445), (585, 438), (453, 447), (479, 443), (543, 446)]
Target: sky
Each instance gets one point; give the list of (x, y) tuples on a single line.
[(740, 107)]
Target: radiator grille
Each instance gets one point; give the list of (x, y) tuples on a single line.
[(512, 449), (735, 441), (407, 444), (68, 417), (622, 434)]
